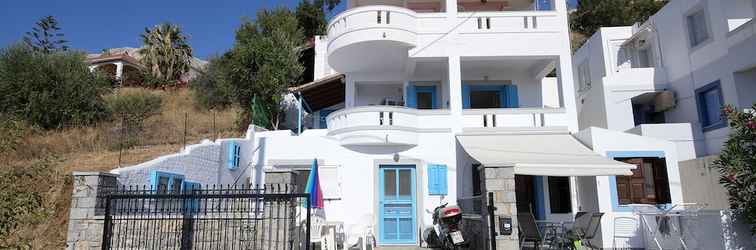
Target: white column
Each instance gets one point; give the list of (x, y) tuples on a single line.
[(451, 8), (455, 92), (564, 70), (404, 91), (351, 91), (119, 70), (575, 201), (567, 91)]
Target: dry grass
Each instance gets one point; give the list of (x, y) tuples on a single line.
[(95, 148)]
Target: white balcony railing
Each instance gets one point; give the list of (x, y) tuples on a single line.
[(372, 17), (515, 118), (383, 125), (509, 22), (386, 116)]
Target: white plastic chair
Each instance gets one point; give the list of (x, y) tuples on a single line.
[(624, 228)]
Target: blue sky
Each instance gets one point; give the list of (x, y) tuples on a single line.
[(92, 25)]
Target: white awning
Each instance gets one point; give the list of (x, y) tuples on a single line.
[(541, 154)]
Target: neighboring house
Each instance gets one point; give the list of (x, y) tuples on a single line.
[(420, 103), (668, 78), (123, 65)]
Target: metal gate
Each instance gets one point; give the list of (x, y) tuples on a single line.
[(209, 218)]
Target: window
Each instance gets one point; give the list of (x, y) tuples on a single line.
[(476, 180), (698, 31), (709, 99), (584, 76), (559, 195), (234, 155), (437, 180), (648, 184), (164, 182)]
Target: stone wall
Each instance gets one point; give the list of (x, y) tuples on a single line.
[(501, 182), (85, 222)]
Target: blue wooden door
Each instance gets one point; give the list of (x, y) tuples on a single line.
[(397, 204)]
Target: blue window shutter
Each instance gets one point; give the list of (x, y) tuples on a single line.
[(231, 156), (434, 95), (153, 180), (512, 99), (437, 184), (465, 96), (411, 96)]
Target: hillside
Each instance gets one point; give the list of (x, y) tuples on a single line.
[(36, 188)]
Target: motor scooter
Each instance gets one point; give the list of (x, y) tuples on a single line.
[(446, 232)]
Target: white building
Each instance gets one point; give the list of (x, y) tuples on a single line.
[(420, 103), (668, 77)]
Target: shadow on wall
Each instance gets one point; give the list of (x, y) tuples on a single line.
[(379, 149)]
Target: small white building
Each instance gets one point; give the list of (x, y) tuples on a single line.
[(415, 101)]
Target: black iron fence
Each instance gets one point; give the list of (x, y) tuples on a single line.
[(202, 217)]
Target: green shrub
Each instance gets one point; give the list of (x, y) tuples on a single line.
[(50, 90), (131, 107), (134, 104), (212, 88)]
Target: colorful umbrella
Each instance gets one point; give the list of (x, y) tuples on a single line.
[(313, 187)]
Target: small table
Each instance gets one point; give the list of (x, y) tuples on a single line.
[(554, 233)]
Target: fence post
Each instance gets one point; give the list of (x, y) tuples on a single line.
[(107, 226), (307, 227), (187, 223), (491, 220)]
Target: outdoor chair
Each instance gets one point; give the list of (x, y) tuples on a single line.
[(579, 227), (624, 228), (592, 229), (528, 230)]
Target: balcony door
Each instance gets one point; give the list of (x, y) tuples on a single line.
[(489, 96), (422, 97)]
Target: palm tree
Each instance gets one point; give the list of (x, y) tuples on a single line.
[(165, 53)]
